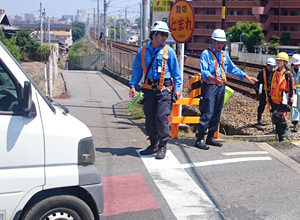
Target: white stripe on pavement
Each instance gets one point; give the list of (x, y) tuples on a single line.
[(185, 198), (244, 153), (234, 160)]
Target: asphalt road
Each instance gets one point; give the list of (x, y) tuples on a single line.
[(241, 180)]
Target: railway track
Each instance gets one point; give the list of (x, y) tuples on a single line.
[(244, 87)]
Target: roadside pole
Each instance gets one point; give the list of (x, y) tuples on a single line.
[(181, 65), (181, 25)]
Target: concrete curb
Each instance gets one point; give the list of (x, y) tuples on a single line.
[(118, 77), (280, 156), (253, 138)]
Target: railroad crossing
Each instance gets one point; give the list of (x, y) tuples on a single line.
[(241, 180)]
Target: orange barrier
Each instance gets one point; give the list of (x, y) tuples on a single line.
[(176, 120)]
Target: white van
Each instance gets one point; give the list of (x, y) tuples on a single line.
[(47, 157)]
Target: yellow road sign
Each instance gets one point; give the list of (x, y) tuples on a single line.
[(182, 21)]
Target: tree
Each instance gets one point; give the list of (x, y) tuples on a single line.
[(253, 34), (43, 52), (11, 46), (78, 30), (285, 38), (28, 46), (273, 44), (138, 21)]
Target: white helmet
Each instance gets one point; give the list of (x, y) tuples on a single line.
[(271, 61), (160, 26), (296, 59), (219, 35)]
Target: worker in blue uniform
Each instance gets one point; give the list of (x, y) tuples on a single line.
[(162, 82), (295, 70), (214, 64)]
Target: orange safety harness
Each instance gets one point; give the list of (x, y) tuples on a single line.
[(163, 70), (276, 96), (223, 79)]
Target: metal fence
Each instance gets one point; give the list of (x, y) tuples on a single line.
[(119, 62), (91, 62)]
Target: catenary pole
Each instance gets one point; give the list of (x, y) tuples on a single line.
[(141, 30), (145, 19), (105, 31), (41, 20)]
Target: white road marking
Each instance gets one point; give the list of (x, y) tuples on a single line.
[(233, 160), (185, 198), (245, 153)]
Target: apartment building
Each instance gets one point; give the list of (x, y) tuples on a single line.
[(274, 16)]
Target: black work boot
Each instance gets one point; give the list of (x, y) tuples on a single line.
[(200, 143), (152, 149), (259, 121), (296, 126), (162, 149), (211, 141), (280, 138)]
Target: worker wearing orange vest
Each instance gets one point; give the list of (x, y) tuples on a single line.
[(214, 63), (159, 64), (282, 91), (262, 86), (295, 70)]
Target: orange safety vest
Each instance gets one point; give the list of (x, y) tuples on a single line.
[(163, 70), (278, 87), (223, 79)]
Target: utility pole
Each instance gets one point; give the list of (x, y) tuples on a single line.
[(141, 30), (120, 26), (145, 19), (105, 31), (126, 25), (98, 22), (88, 28), (94, 26), (49, 41), (41, 20), (114, 29), (44, 19)]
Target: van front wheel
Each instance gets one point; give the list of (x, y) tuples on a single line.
[(63, 207)]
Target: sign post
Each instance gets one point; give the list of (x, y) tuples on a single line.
[(181, 25)]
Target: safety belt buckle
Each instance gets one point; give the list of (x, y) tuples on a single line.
[(165, 89), (154, 86)]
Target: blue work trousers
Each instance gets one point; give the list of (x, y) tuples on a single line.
[(157, 108), (211, 104)]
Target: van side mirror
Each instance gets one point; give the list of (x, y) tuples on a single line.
[(27, 99), (28, 105)]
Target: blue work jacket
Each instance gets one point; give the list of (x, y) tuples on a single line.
[(296, 76), (172, 67), (207, 65)]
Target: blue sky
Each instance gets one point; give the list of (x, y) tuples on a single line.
[(57, 8)]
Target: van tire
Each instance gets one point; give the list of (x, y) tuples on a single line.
[(65, 206)]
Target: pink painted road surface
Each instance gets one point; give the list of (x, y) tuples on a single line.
[(127, 193)]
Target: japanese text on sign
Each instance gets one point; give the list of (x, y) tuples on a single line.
[(161, 6), (182, 21)]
